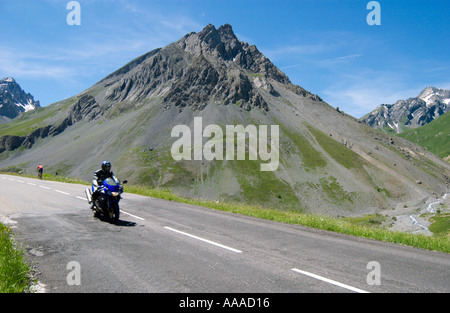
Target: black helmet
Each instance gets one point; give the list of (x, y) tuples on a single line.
[(106, 166)]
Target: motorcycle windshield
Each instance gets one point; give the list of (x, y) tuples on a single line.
[(111, 184)]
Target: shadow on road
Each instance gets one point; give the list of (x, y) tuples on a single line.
[(126, 223), (120, 223)]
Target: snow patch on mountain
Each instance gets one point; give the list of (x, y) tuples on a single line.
[(431, 103), (14, 100)]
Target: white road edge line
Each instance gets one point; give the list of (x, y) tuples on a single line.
[(80, 198), (330, 281), (139, 218), (204, 240), (31, 184), (45, 187), (65, 193)]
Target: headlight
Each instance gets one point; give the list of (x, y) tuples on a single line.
[(114, 194)]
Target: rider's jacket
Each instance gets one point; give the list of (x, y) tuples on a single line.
[(100, 176)]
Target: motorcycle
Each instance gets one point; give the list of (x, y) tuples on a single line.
[(107, 202)]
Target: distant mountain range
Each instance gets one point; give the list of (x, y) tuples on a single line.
[(329, 162), (14, 100), (414, 112)]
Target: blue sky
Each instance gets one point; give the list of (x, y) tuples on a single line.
[(325, 46)]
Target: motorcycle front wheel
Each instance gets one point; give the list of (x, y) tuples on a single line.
[(114, 213)]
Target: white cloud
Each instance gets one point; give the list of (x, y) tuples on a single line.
[(93, 49), (360, 94), (339, 60), (298, 50), (19, 64), (74, 58)]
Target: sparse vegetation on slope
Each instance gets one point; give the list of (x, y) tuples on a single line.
[(435, 136)]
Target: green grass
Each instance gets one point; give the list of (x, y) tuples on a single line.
[(311, 158), (340, 153), (14, 270), (435, 136), (45, 176), (35, 119), (260, 188), (63, 179), (155, 165), (334, 191), (370, 220), (440, 225)]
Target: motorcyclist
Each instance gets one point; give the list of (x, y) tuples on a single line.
[(99, 176), (40, 170)]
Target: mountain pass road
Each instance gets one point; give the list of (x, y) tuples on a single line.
[(162, 246)]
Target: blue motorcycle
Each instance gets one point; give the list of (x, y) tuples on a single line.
[(107, 199)]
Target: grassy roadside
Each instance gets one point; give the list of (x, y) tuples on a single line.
[(340, 225), (348, 226), (14, 270)]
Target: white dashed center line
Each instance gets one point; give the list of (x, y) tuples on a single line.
[(204, 240), (64, 193), (330, 281)]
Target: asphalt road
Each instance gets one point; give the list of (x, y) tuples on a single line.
[(161, 246)]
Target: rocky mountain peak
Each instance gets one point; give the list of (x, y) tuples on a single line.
[(222, 43), (211, 66), (7, 80), (432, 94), (14, 100), (417, 111)]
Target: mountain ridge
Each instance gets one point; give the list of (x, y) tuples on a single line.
[(329, 162), (414, 112)]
